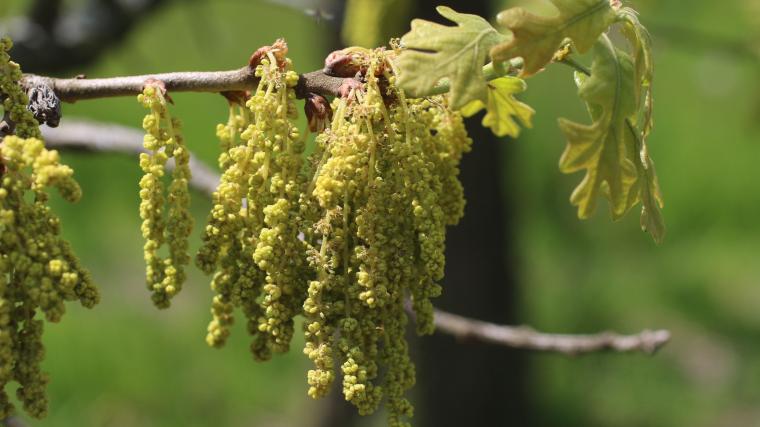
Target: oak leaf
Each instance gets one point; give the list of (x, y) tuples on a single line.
[(502, 108), (434, 52), (611, 149), (535, 38)]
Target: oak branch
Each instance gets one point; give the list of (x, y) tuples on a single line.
[(80, 88)]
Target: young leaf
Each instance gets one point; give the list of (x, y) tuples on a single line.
[(536, 38), (641, 125), (611, 149), (604, 148), (433, 52), (640, 42), (502, 107), (648, 189)]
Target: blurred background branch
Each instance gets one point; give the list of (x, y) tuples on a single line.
[(87, 136), (525, 337), (93, 137), (12, 422)]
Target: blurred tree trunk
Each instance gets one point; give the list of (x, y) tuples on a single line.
[(473, 384)]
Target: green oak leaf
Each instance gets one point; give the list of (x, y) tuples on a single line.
[(641, 46), (502, 108), (535, 38), (611, 149), (432, 52), (648, 189)]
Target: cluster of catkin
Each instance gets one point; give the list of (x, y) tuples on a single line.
[(38, 269), (251, 243), (163, 140), (346, 238)]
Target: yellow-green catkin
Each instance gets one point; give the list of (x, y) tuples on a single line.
[(13, 96), (275, 192), (227, 244), (447, 142), (324, 304), (231, 233), (423, 191), (38, 269), (342, 189), (165, 275), (251, 242), (351, 287)]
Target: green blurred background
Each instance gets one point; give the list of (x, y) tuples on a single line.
[(126, 364)]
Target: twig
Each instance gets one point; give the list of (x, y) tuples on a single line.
[(71, 90), (571, 62), (527, 338), (96, 137)]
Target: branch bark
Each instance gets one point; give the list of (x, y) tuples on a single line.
[(527, 338), (98, 137), (71, 90)]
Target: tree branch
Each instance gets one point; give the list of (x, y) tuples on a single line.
[(71, 90), (527, 338), (97, 137)]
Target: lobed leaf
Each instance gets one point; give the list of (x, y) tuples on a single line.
[(502, 108), (433, 52), (611, 149), (535, 38)]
